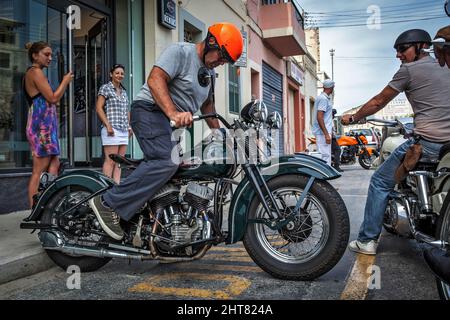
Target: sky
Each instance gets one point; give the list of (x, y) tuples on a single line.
[(365, 60)]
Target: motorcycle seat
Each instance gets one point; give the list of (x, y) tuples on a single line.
[(117, 158), (427, 159)]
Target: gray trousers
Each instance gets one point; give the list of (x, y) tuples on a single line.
[(161, 160)]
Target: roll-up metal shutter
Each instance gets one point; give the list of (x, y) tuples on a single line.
[(273, 96)]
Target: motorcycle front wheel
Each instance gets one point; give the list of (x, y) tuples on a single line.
[(443, 233), (310, 245), (365, 159)]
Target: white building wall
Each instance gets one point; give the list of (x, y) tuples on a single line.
[(157, 38)]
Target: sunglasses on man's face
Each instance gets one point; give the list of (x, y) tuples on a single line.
[(403, 47)]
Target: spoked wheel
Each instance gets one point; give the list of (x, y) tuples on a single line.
[(443, 233), (312, 243), (60, 202)]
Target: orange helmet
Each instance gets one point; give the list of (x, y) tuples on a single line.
[(227, 38)]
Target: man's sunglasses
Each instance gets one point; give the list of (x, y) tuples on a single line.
[(403, 47)]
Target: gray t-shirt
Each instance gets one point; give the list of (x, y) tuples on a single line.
[(427, 87), (181, 62)]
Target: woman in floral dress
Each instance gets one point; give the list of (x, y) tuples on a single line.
[(42, 125)]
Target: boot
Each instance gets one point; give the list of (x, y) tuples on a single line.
[(439, 262)]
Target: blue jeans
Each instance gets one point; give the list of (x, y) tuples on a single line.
[(382, 184)]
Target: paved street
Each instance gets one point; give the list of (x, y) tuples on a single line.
[(226, 272)]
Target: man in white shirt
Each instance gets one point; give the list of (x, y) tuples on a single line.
[(323, 120)]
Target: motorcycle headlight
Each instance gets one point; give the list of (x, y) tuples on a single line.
[(255, 112), (274, 120)]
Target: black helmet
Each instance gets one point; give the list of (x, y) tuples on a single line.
[(413, 36)]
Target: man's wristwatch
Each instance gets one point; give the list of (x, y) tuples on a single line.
[(351, 119)]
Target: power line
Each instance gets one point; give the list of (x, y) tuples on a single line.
[(338, 57), (331, 25), (383, 12), (367, 15), (400, 6)]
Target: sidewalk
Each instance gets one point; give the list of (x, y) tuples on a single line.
[(21, 253)]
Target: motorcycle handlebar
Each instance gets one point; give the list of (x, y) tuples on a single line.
[(206, 116), (385, 122)]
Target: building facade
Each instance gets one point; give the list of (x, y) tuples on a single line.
[(87, 37), (397, 108)]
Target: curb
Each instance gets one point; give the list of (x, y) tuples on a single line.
[(25, 266), (21, 253)]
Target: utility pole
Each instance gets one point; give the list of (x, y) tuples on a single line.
[(332, 63), (332, 70)]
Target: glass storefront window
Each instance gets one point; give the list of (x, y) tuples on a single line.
[(20, 22), (94, 46)]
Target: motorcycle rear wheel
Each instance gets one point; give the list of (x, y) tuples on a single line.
[(443, 233), (64, 261), (274, 251)]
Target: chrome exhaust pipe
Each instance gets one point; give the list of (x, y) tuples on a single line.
[(97, 252), (52, 240), (419, 236)]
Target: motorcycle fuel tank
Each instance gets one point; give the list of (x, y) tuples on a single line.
[(206, 161)]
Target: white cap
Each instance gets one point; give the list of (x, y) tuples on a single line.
[(328, 83)]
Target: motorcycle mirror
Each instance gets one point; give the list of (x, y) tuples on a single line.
[(447, 7)]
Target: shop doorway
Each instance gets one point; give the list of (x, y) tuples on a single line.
[(85, 50)]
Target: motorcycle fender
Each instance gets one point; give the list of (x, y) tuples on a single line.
[(440, 184), (370, 150), (300, 164), (92, 180)]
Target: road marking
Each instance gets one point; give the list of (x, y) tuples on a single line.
[(231, 258), (229, 249), (356, 288), (220, 267), (236, 285)]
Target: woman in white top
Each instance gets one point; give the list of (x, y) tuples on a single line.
[(113, 110)]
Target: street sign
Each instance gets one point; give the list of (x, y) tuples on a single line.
[(167, 13), (242, 61)]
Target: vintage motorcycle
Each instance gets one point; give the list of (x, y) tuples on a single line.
[(391, 138), (292, 222), (419, 208)]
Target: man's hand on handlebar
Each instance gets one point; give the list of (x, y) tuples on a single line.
[(345, 120), (350, 119), (181, 119)]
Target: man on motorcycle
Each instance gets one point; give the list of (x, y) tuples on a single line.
[(437, 259), (427, 87), (323, 120), (180, 81)]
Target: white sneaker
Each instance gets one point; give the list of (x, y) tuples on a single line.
[(364, 247)]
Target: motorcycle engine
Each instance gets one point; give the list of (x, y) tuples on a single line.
[(396, 219), (185, 218), (348, 155)]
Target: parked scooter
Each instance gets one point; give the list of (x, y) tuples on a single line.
[(419, 208)]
